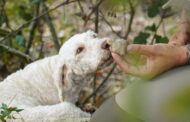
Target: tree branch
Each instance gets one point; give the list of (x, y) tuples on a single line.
[(109, 24), (16, 52), (3, 12), (51, 27), (27, 23), (155, 33), (98, 88), (132, 13), (93, 10), (97, 20), (32, 30), (80, 6)]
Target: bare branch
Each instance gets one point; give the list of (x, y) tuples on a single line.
[(3, 32), (16, 52), (132, 14), (51, 27), (93, 10), (32, 30), (97, 20), (3, 13), (98, 88), (80, 6), (109, 24)]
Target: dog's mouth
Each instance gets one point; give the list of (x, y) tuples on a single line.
[(106, 62)]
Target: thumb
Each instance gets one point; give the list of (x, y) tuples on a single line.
[(120, 62)]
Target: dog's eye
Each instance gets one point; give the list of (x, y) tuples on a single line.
[(79, 50)]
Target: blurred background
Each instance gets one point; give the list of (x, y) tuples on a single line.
[(34, 29)]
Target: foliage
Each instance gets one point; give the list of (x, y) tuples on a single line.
[(7, 112), (33, 29), (155, 7), (141, 38), (154, 10)]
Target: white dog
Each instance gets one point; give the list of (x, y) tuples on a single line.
[(47, 89)]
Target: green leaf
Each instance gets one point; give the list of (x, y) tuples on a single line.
[(153, 11), (151, 28), (4, 113), (4, 106), (160, 39), (24, 13), (141, 38), (20, 40), (155, 8)]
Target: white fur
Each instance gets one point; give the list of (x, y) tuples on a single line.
[(40, 87)]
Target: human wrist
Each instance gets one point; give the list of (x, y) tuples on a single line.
[(187, 48), (184, 57)]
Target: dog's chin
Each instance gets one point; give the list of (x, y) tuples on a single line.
[(105, 63)]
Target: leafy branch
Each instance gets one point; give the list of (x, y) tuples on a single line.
[(13, 33), (156, 29)]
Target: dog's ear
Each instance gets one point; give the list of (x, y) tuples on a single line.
[(60, 80)]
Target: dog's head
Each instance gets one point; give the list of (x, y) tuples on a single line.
[(80, 57)]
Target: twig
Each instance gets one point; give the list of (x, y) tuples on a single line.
[(12, 100), (94, 88), (155, 33), (27, 23), (98, 88), (3, 32), (32, 30), (97, 20), (164, 28), (93, 10), (16, 52), (40, 29), (132, 13), (51, 27), (109, 24), (80, 6), (96, 30), (2, 9)]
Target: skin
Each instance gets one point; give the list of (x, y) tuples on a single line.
[(158, 58)]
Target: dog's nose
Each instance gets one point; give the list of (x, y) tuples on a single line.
[(105, 45)]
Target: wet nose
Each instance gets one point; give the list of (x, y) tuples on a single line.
[(105, 45)]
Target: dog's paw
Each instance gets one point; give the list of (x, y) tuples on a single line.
[(89, 108)]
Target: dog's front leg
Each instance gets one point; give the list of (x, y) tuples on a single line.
[(63, 112)]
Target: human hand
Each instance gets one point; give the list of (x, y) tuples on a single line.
[(148, 61), (182, 34)]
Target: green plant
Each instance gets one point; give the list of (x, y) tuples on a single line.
[(7, 112), (154, 9)]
